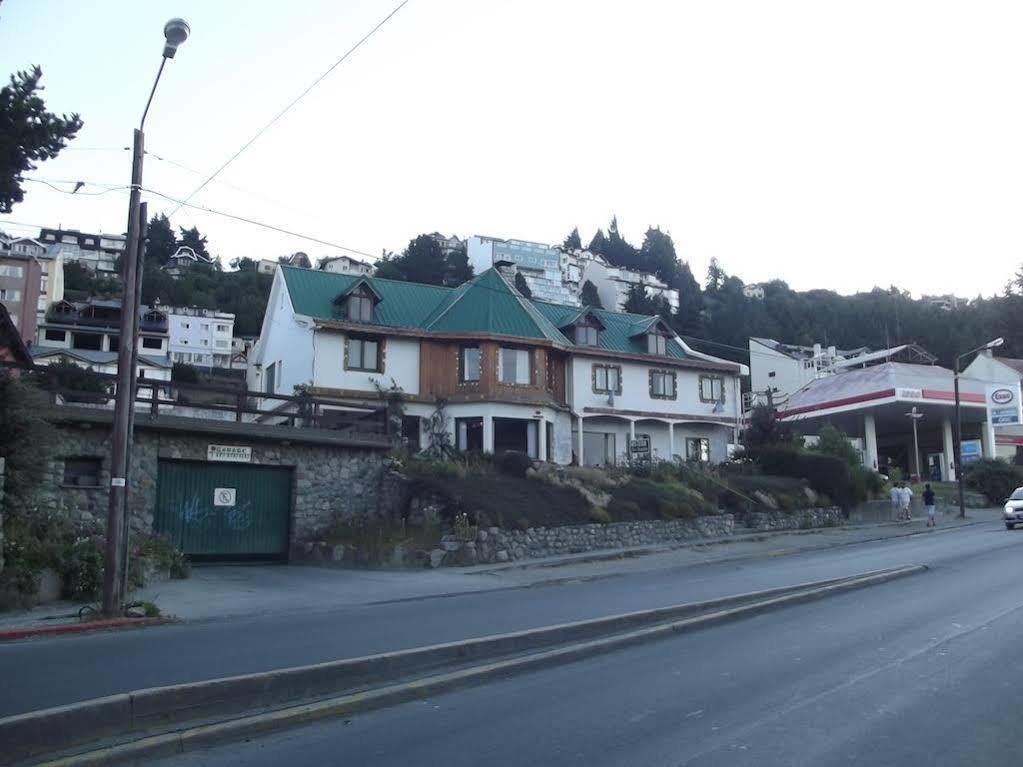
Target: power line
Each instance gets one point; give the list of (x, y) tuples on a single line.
[(186, 204), (76, 193), (284, 111)]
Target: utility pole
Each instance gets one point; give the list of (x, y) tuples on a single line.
[(175, 32), (114, 564), (915, 416)]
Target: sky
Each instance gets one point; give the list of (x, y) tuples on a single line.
[(831, 145)]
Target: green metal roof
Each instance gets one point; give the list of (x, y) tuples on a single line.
[(402, 304), (485, 304), (619, 328)]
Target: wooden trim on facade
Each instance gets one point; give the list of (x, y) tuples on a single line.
[(662, 416)]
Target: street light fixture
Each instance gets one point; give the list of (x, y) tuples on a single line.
[(958, 458), (175, 32)]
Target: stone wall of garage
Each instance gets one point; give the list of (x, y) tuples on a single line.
[(329, 482)]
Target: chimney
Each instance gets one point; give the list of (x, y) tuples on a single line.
[(507, 268)]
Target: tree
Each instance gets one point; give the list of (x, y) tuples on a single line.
[(522, 286), (832, 441), (638, 302), (764, 429), (424, 261), (687, 320), (160, 241), (657, 255), (78, 277), (619, 252), (27, 440), (28, 133), (589, 295), (457, 268), (191, 238), (715, 276), (598, 244), (573, 241)]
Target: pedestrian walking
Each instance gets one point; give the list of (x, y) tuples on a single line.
[(929, 505), (907, 499), (896, 496)]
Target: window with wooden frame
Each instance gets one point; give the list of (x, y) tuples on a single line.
[(662, 384), (362, 353), (607, 379), (514, 367), (712, 388), (469, 364), (657, 343), (359, 305), (698, 449)]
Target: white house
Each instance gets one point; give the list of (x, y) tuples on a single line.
[(494, 371), (346, 265), (201, 337)]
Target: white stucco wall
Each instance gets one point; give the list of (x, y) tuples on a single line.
[(401, 363), (636, 389), (789, 375), (285, 338)]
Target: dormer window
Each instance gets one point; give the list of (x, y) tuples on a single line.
[(360, 308), (586, 335), (358, 302), (584, 329), (657, 344)]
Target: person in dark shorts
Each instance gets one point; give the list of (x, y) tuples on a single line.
[(929, 505)]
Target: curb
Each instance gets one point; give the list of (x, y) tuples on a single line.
[(137, 713), (81, 628)]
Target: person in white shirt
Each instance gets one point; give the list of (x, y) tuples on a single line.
[(907, 499), (896, 496)]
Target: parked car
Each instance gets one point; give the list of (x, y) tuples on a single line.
[(1014, 509)]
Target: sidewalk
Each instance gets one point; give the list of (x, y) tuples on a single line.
[(232, 591)]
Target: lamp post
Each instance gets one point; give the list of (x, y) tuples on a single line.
[(958, 432), (915, 416), (175, 32)]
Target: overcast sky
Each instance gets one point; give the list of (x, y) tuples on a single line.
[(832, 145)]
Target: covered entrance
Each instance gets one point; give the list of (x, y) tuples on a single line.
[(224, 511)]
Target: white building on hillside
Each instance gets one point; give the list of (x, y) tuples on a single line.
[(98, 252), (201, 337), (554, 274), (346, 265)]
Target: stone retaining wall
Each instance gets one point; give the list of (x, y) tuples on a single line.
[(799, 520), (493, 545)]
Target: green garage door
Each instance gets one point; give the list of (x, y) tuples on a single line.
[(222, 510)]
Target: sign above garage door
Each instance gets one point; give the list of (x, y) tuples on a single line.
[(236, 453)]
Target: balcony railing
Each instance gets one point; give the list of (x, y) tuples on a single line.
[(211, 402)]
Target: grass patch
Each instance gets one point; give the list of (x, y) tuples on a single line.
[(645, 499), (493, 499)]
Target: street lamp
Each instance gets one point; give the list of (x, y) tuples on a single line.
[(959, 434), (175, 32), (915, 416)]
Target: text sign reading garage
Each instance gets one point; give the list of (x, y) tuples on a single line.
[(236, 453)]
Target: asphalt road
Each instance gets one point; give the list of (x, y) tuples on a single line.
[(920, 671), (40, 673)]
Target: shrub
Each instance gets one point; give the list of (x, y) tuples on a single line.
[(87, 385), (832, 441), (600, 516), (994, 478), (776, 459), (513, 463), (427, 467), (182, 372), (827, 474), (162, 553), (83, 570), (645, 499)]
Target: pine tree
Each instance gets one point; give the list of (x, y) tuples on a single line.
[(28, 133), (573, 241), (522, 286), (589, 295), (598, 244)]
